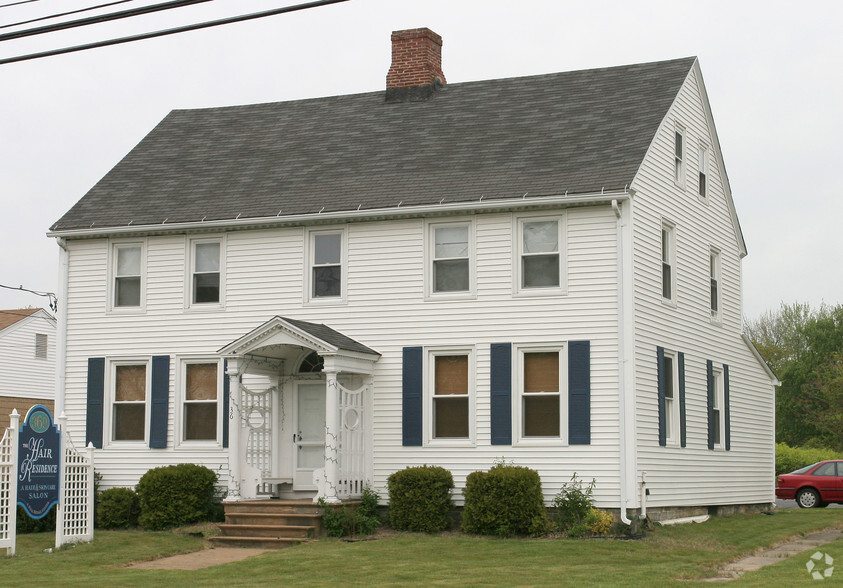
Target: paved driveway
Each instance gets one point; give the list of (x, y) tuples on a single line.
[(792, 504)]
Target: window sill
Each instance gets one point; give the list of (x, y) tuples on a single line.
[(450, 296), (538, 292), (452, 443), (540, 442)]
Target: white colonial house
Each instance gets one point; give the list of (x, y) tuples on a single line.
[(307, 296), (27, 361)]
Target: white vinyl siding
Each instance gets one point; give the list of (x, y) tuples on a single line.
[(27, 374)]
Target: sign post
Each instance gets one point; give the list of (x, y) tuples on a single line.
[(39, 463)]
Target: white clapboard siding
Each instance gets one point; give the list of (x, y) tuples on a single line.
[(695, 475), (24, 374), (386, 309)]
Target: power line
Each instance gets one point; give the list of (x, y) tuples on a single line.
[(60, 14), (49, 295), (16, 3), (72, 24), (165, 32)]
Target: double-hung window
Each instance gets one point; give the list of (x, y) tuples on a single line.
[(668, 255), (671, 400), (679, 156), (541, 394), (130, 386), (451, 395), (541, 254), (718, 417), (201, 385), (451, 258), (326, 255), (702, 183), (127, 275), (714, 280), (206, 262)]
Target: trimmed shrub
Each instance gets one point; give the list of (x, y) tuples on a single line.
[(792, 458), (176, 495), (117, 508), (507, 500), (599, 521), (25, 524), (344, 520), (420, 499), (572, 505)]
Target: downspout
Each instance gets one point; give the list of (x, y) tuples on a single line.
[(621, 371), (61, 327)]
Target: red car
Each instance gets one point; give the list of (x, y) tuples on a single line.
[(815, 485)]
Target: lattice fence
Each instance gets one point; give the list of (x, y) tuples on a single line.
[(9, 485), (75, 517), (352, 474)]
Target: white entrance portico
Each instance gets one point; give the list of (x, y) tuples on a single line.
[(320, 441)]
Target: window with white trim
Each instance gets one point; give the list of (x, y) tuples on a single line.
[(326, 260), (671, 398), (450, 247), (201, 386), (679, 155), (714, 283), (542, 393), (206, 275), (718, 415), (129, 394), (540, 249), (450, 394), (127, 263), (702, 181), (668, 256)]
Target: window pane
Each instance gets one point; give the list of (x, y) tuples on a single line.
[(128, 292), (128, 261), (714, 295), (678, 145), (541, 372), (327, 281), (668, 417), (327, 249), (129, 420), (200, 421), (665, 246), (450, 417), (668, 377), (827, 469), (450, 276), (716, 417), (130, 383), (201, 381), (451, 242), (206, 288), (541, 416), (207, 257), (451, 374), (541, 237), (666, 280), (540, 271)]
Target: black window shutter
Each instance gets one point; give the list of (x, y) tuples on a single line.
[(579, 392), (160, 401), (709, 375), (411, 380), (226, 396), (727, 432), (96, 390), (682, 427), (500, 391), (661, 396)]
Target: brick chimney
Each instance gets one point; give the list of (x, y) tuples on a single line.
[(416, 70)]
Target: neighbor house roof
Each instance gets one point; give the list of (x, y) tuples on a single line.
[(10, 317), (576, 132)]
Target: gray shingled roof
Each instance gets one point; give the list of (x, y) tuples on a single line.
[(575, 132), (330, 336)]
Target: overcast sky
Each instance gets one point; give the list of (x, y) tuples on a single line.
[(772, 71)]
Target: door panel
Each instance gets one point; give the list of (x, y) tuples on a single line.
[(310, 433)]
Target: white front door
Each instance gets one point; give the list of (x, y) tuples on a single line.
[(309, 437)]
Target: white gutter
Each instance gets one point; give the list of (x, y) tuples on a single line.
[(442, 208), (61, 328)]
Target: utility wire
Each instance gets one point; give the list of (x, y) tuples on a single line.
[(60, 14), (49, 295), (72, 24), (16, 3), (165, 32)]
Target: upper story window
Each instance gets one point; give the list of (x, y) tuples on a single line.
[(540, 402), (679, 155), (702, 184), (40, 346), (540, 247), (451, 253), (200, 420), (451, 394), (206, 262), (326, 258), (130, 394), (714, 290), (127, 263), (668, 255)]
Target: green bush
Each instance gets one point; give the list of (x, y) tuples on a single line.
[(117, 508), (599, 521), (792, 458), (176, 495), (572, 505), (507, 500), (344, 520), (26, 524), (420, 499)]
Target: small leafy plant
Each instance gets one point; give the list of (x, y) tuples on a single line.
[(349, 520), (572, 505)]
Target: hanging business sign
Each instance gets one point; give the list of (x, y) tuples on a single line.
[(39, 444)]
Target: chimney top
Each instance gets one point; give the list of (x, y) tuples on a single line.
[(416, 70)]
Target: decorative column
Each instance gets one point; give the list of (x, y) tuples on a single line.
[(234, 417), (332, 437)]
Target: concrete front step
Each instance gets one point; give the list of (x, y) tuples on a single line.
[(274, 507), (273, 531), (262, 518), (269, 523)]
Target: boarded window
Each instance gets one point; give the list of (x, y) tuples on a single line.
[(130, 403), (540, 398), (40, 346), (450, 398), (200, 402)]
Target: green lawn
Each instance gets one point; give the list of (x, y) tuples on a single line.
[(668, 556)]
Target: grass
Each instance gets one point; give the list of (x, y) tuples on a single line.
[(668, 556)]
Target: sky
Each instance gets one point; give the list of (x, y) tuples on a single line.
[(772, 71)]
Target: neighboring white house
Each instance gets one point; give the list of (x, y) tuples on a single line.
[(308, 296), (27, 361)]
